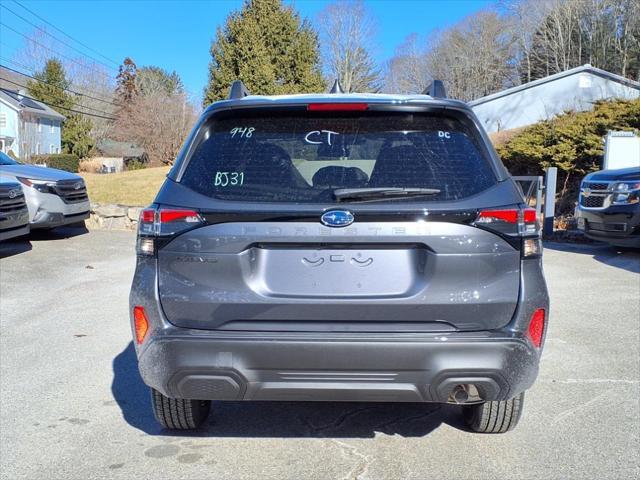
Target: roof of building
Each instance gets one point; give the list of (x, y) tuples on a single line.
[(113, 148), (583, 69), (20, 102)]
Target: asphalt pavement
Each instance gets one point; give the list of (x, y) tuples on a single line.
[(72, 404)]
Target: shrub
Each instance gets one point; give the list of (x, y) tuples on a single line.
[(135, 165), (572, 142), (90, 165), (61, 161)]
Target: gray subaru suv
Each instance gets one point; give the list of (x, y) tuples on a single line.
[(339, 247)]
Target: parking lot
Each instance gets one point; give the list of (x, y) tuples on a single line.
[(73, 405)]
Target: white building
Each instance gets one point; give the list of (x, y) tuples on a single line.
[(542, 99)]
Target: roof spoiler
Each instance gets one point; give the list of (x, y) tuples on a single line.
[(435, 89), (238, 90)]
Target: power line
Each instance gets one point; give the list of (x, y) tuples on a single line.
[(56, 38), (54, 51), (83, 106), (65, 34), (59, 106), (47, 83)]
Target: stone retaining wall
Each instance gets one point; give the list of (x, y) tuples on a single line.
[(113, 217)]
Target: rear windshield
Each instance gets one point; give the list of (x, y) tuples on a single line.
[(304, 158)]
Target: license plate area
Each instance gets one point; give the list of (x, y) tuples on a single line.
[(338, 272)]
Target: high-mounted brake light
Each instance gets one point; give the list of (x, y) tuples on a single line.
[(140, 323), (536, 327), (337, 107)]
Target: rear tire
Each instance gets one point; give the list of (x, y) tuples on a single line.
[(179, 413), (494, 417)]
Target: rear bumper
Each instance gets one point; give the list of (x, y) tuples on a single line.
[(211, 366)]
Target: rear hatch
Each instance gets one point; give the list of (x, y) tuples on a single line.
[(358, 221)]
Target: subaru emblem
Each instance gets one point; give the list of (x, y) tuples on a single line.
[(337, 218), (78, 185), (14, 193)]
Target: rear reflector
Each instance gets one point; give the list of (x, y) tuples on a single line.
[(140, 322), (337, 107), (536, 327)]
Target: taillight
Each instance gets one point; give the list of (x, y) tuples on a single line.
[(164, 222), (536, 327), (514, 222), (140, 323), (337, 107)]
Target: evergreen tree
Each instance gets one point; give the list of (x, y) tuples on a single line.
[(126, 87), (49, 87), (154, 79), (269, 48), (76, 135)]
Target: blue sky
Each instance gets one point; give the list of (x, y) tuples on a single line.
[(176, 35)]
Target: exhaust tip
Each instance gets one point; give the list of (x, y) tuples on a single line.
[(464, 394)]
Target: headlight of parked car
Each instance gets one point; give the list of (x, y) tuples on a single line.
[(626, 193), (44, 186)]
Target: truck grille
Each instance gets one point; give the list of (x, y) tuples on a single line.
[(594, 194), (11, 199), (592, 202), (71, 191)]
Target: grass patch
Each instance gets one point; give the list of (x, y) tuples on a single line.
[(134, 188)]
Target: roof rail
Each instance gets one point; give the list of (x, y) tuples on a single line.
[(337, 88), (238, 90), (436, 89)]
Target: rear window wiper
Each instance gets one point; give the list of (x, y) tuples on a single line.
[(381, 193)]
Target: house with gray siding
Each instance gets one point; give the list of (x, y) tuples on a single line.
[(28, 127), (576, 89)]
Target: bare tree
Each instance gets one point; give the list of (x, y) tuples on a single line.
[(524, 17), (408, 71), (474, 57), (347, 30), (159, 123), (91, 84)]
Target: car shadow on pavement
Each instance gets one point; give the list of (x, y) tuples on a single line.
[(282, 419), (59, 233), (15, 246), (626, 260)]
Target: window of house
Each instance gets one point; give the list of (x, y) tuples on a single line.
[(52, 148), (53, 127), (37, 148), (3, 120), (39, 123)]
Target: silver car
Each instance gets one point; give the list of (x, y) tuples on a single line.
[(54, 197)]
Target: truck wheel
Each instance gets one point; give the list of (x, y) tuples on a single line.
[(494, 417), (178, 413)]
